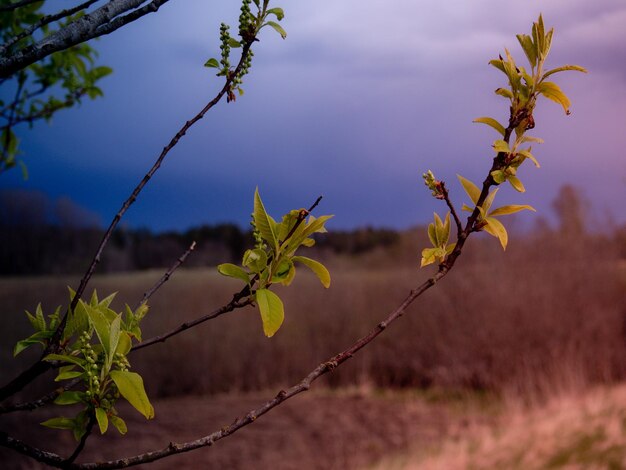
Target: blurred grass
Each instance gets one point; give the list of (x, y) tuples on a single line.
[(548, 314), (572, 431)]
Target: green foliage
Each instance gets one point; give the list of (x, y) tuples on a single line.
[(59, 81), (94, 347), (524, 87), (487, 220), (250, 24), (273, 258), (439, 235)]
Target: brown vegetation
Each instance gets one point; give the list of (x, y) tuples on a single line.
[(547, 316)]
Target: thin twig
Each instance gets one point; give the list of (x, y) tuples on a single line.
[(455, 216), (46, 399), (166, 276), (232, 305), (83, 439)]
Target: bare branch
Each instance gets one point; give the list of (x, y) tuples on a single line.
[(166, 276), (46, 399), (455, 216), (232, 305), (83, 439)]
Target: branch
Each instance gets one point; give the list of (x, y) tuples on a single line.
[(83, 439), (40, 367), (166, 276), (101, 21), (446, 197), (44, 21), (33, 405), (232, 305)]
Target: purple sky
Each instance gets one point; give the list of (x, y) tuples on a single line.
[(356, 104)]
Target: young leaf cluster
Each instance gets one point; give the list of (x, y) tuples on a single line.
[(439, 235), (273, 259), (250, 23), (525, 85), (40, 90), (94, 348)]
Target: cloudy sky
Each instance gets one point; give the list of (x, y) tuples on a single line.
[(358, 101)]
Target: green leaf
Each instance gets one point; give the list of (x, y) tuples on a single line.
[(530, 156), (498, 176), (494, 227), (516, 183), (232, 42), (38, 338), (504, 92), (264, 223), (124, 344), (491, 122), (65, 358), (499, 64), (40, 320), (68, 375), (130, 385), (280, 14), (212, 63), (530, 138), (69, 398), (282, 270), (255, 260), (442, 230), (232, 270), (114, 338), (119, 424), (489, 201), (510, 209), (103, 420), (501, 146), (529, 48), (318, 268), (279, 29), (59, 423), (102, 327), (272, 311), (552, 91), (563, 68), (428, 256), (106, 302), (470, 188), (432, 234)]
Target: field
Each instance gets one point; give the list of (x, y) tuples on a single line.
[(502, 339)]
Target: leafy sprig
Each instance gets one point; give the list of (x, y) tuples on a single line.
[(95, 344), (524, 88), (249, 26), (273, 259)]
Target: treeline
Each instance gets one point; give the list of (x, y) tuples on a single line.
[(56, 249), (38, 236)]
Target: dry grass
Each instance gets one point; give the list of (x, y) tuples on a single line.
[(569, 431), (543, 316)]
